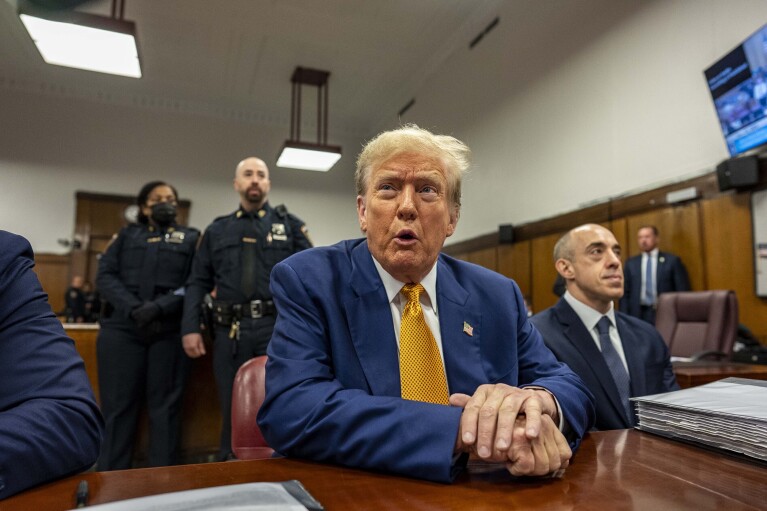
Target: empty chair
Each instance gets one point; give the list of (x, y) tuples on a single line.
[(247, 397), (698, 324)]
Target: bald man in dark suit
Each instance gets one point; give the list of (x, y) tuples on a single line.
[(616, 355)]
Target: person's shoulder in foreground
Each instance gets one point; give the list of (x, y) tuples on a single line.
[(334, 390), (50, 425)]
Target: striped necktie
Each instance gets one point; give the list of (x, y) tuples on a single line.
[(422, 374)]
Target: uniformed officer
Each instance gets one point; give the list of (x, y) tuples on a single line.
[(141, 276), (234, 261)]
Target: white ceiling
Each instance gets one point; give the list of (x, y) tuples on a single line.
[(234, 58)]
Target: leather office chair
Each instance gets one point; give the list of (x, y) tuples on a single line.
[(247, 396), (698, 324)]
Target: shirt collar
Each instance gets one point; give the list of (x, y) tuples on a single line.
[(394, 286), (652, 253), (243, 212), (589, 316)]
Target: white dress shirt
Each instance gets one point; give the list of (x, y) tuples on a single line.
[(397, 302), (590, 317)]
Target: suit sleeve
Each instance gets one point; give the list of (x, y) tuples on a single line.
[(669, 378), (539, 367), (681, 279), (50, 425), (308, 413)]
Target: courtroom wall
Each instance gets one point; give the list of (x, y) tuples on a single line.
[(53, 146), (608, 98), (712, 236), (604, 98)]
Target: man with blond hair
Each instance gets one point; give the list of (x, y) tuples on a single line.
[(391, 356)]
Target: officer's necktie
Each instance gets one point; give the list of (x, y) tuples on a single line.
[(422, 374), (148, 268), (615, 364), (649, 285)]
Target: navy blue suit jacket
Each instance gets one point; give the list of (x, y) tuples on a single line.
[(50, 425), (671, 275), (647, 358), (333, 383)]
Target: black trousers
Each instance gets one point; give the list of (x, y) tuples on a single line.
[(228, 356), (134, 371)]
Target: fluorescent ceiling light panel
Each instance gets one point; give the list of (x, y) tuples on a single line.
[(78, 46), (308, 159)]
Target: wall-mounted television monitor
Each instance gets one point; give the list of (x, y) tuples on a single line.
[(738, 85)]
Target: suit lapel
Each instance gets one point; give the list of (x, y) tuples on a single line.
[(634, 359), (662, 272), (577, 334), (370, 325), (460, 324)]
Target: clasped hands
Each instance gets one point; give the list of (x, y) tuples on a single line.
[(501, 423)]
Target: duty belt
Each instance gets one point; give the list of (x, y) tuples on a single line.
[(225, 313)]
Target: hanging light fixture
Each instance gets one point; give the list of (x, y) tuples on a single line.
[(305, 155), (84, 41)]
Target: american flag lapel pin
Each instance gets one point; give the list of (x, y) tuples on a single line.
[(468, 329)]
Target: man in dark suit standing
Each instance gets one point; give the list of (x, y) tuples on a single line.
[(649, 274), (617, 356)]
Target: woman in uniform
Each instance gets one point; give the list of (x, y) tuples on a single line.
[(141, 360)]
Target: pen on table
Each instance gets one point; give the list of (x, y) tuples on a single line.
[(82, 494)]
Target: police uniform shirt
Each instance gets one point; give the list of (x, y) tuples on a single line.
[(272, 234), (121, 266)]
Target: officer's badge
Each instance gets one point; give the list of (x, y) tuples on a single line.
[(175, 237), (279, 233)]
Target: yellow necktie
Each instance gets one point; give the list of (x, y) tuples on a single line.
[(422, 375)]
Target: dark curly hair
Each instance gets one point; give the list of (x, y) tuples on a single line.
[(143, 196)]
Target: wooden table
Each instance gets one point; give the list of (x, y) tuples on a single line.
[(623, 469), (692, 374)]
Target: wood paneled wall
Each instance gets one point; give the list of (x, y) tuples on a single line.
[(53, 272), (713, 235)]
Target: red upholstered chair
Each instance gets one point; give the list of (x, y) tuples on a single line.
[(247, 396), (698, 324)]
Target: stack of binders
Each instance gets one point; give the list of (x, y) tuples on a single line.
[(728, 415)]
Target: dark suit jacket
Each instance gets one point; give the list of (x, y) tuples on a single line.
[(333, 383), (671, 276), (646, 355), (50, 425)]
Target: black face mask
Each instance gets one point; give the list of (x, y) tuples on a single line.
[(163, 213)]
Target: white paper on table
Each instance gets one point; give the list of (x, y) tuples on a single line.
[(235, 497)]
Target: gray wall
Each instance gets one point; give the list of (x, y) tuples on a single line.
[(608, 98)]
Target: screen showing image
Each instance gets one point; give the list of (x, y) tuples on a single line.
[(738, 85)]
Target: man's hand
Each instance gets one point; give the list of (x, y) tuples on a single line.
[(193, 345), (489, 417), (546, 454)]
